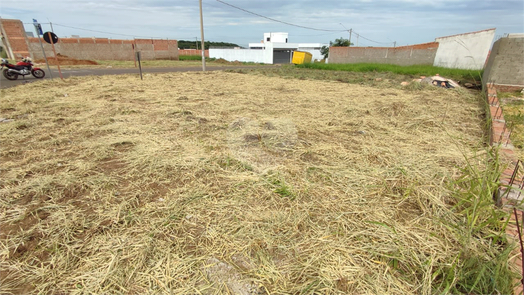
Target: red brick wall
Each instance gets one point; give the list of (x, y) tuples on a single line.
[(402, 55), (14, 32), (108, 49), (86, 48), (63, 40), (430, 45), (192, 52), (86, 40), (143, 41), (160, 44)]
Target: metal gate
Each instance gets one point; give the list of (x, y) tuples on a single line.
[(281, 56)]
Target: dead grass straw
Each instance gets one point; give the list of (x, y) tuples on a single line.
[(205, 183)]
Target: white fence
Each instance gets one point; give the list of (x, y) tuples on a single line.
[(242, 55)]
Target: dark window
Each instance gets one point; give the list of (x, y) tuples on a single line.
[(286, 40), (268, 39)]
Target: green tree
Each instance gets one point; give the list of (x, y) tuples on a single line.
[(192, 44), (324, 51), (340, 42)]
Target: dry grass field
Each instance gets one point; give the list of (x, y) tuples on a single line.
[(220, 182)]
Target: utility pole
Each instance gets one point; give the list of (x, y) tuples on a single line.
[(196, 42), (202, 33), (350, 31), (395, 44), (51, 24)]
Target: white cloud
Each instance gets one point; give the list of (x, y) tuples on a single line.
[(404, 21)]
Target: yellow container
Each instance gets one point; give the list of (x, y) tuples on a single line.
[(300, 57)]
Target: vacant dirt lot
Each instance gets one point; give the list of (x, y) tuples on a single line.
[(225, 182)]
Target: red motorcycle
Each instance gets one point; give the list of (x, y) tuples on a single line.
[(24, 67)]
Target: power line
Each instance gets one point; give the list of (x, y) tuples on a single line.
[(316, 35), (225, 3), (276, 20), (102, 32), (294, 25), (360, 36), (109, 33)]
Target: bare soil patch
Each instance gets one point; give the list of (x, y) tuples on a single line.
[(225, 182), (66, 61)]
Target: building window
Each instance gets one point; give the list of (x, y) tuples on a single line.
[(268, 39), (286, 40)]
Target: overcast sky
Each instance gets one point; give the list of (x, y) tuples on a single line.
[(380, 21)]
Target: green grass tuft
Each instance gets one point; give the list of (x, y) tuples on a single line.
[(194, 57), (414, 70)]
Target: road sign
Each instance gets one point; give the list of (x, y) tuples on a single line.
[(50, 37), (38, 27)]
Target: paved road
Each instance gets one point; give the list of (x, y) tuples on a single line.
[(4, 83)]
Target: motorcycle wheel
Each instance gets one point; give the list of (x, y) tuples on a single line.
[(39, 74), (10, 75)]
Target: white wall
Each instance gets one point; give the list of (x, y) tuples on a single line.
[(312, 48), (264, 55), (276, 37), (243, 55), (315, 53), (268, 53), (464, 51)]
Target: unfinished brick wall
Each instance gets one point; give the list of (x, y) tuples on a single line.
[(107, 49), (419, 54), (192, 52), (505, 63), (16, 41), (14, 38)]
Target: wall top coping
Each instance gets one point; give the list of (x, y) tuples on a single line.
[(516, 35), (492, 29)]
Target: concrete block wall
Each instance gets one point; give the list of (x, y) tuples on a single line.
[(505, 63), (420, 54), (107, 49)]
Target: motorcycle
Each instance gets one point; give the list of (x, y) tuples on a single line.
[(24, 67)]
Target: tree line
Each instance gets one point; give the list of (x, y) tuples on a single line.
[(185, 44)]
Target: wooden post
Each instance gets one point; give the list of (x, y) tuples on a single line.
[(203, 47), (139, 64), (134, 53), (56, 57)]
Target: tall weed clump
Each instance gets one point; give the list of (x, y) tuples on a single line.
[(413, 70), (478, 268)]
